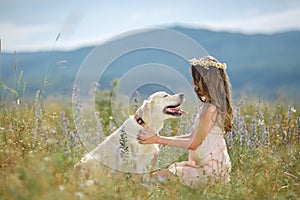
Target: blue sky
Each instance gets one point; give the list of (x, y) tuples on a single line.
[(31, 25)]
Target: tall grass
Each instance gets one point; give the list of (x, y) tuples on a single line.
[(40, 147)]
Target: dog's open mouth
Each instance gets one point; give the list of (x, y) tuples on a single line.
[(174, 110)]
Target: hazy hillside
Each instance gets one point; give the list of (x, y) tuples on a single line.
[(267, 62), (267, 65)]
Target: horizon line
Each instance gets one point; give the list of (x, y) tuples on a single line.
[(94, 42)]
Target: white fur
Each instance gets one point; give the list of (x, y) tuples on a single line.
[(107, 153)]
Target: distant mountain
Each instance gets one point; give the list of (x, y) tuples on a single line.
[(266, 65)]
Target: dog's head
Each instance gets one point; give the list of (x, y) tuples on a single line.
[(160, 106)]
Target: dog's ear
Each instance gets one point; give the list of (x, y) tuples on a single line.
[(145, 111)]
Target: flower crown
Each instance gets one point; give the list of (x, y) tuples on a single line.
[(207, 63)]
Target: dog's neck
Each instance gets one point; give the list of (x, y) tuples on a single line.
[(140, 121), (156, 127)]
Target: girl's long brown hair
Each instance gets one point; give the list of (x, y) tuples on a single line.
[(212, 85)]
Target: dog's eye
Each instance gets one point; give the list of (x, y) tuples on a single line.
[(166, 95)]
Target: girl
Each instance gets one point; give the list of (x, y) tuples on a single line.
[(208, 157)]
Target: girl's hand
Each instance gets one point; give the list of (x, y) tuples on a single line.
[(147, 136)]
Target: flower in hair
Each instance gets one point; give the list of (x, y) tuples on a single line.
[(207, 63)]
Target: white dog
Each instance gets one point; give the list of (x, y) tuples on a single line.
[(158, 107)]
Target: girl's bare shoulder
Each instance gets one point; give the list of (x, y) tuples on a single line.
[(207, 107)]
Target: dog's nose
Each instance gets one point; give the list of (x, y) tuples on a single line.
[(181, 95)]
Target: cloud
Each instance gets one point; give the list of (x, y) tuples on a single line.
[(19, 37), (268, 23), (81, 25)]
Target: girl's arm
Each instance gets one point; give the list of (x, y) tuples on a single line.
[(190, 141)]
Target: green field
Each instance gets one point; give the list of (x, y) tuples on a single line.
[(39, 146)]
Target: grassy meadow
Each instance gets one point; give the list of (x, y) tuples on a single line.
[(39, 146)]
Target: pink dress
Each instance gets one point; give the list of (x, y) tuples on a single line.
[(210, 162)]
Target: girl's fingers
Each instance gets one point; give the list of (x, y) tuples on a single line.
[(145, 136), (141, 136), (143, 131), (142, 142)]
